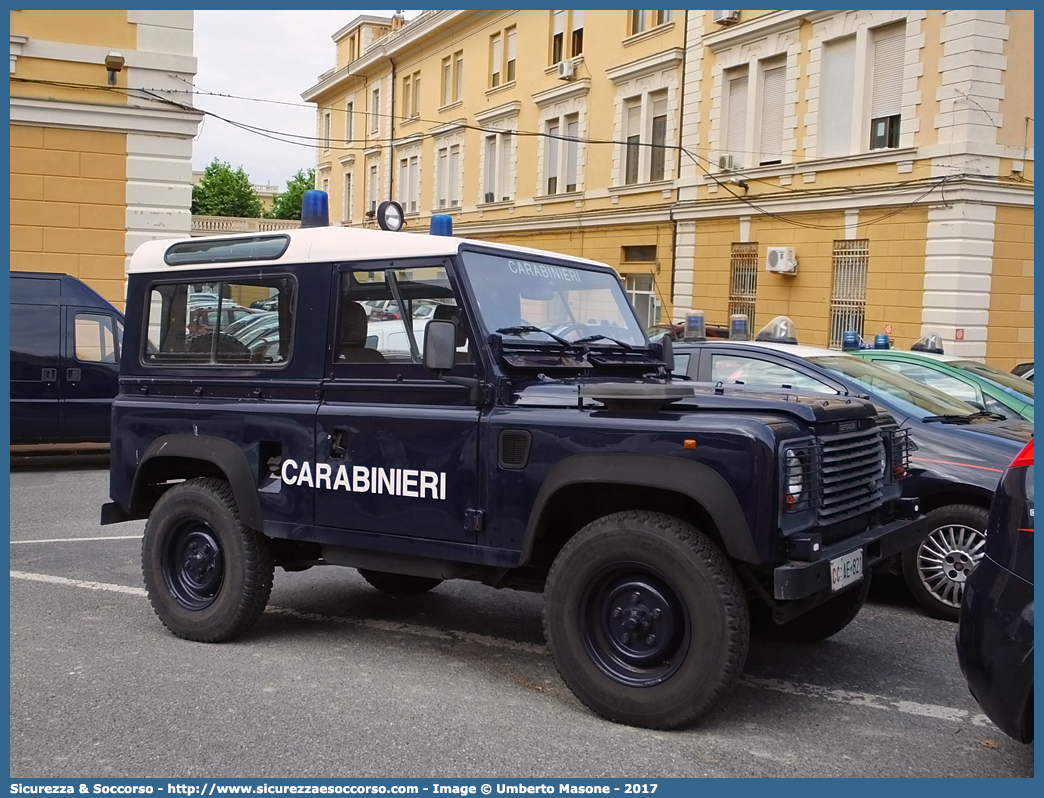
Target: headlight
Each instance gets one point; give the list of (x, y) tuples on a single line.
[(793, 468)]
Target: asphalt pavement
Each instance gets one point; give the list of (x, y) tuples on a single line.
[(339, 680)]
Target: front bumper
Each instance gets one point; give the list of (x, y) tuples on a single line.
[(995, 645), (796, 580)]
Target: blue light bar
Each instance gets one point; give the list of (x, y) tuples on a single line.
[(881, 341), (851, 340)]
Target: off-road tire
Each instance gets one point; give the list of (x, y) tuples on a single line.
[(633, 568), (399, 584), (817, 624), (207, 575), (925, 568)]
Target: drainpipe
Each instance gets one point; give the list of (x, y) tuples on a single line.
[(677, 191), (391, 135)]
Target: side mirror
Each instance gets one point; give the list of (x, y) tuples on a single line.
[(440, 345), (666, 353)]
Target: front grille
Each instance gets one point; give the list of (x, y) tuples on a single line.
[(851, 469)]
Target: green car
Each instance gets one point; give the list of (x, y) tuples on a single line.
[(967, 380)]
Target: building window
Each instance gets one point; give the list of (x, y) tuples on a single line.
[(511, 45), (346, 206), (409, 172), (326, 130), (497, 167), (448, 176), (375, 106), (658, 152), (848, 297), (411, 96), (743, 284), (562, 142), (371, 191), (348, 121), (641, 290), (645, 124), (637, 22), (773, 84), (639, 253), (561, 22), (663, 17), (889, 44), (496, 56), (736, 82), (844, 129), (453, 77)]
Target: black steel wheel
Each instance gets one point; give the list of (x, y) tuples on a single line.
[(399, 584), (937, 569), (646, 619), (819, 623), (207, 575)]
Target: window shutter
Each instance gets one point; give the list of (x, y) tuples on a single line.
[(772, 114), (634, 120), (835, 98), (572, 126), (578, 19), (736, 141), (888, 73), (559, 22)]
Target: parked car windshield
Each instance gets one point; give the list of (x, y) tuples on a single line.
[(1001, 378), (572, 303), (913, 398)]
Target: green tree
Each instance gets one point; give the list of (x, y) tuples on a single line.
[(288, 204), (223, 192)]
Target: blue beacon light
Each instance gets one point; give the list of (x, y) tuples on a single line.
[(850, 340), (441, 224), (315, 209)]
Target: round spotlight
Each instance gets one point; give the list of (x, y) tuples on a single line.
[(390, 216)]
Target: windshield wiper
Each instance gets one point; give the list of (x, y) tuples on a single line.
[(951, 418), (590, 338), (528, 328)]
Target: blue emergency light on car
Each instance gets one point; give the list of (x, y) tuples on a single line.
[(315, 209), (441, 225), (738, 327), (779, 331), (881, 341), (851, 340), (695, 328)]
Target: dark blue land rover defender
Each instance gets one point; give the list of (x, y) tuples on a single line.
[(423, 407)]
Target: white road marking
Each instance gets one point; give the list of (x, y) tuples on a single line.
[(947, 714), (79, 540)]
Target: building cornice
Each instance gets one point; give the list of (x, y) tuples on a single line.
[(96, 116), (776, 22), (657, 62), (501, 112), (88, 54), (568, 91)]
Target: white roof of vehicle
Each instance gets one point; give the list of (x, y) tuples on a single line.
[(325, 244)]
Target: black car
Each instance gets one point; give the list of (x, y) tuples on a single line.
[(528, 436), (995, 634), (959, 451), (1024, 370)]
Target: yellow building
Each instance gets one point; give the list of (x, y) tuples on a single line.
[(889, 154), (550, 129), (867, 170), (97, 165)]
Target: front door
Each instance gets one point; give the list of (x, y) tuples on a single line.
[(90, 374), (396, 447), (35, 344)]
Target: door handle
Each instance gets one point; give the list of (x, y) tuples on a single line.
[(48, 375), (337, 441), (73, 375)]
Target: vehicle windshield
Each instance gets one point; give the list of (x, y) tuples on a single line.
[(571, 303), (912, 398), (1009, 381)]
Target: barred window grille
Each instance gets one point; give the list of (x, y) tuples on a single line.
[(848, 298), (744, 285)]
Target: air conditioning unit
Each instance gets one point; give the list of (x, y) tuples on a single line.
[(565, 70), (781, 260), (725, 17), (725, 163)]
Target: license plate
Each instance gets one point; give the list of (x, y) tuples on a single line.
[(846, 570)]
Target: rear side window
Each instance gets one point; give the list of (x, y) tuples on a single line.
[(222, 323)]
